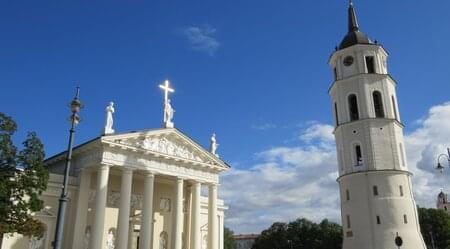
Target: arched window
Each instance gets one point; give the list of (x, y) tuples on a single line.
[(378, 104), (370, 64), (358, 155), (394, 107), (353, 107)]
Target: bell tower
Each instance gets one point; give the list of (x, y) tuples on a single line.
[(377, 202)]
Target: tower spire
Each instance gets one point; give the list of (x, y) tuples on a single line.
[(352, 21)]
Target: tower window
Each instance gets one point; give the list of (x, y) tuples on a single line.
[(378, 104), (401, 190), (335, 73), (336, 113), (378, 220), (405, 219), (394, 107), (353, 107), (370, 64), (375, 190), (347, 194), (358, 155), (348, 221)]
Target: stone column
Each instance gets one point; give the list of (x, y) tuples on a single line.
[(188, 218), (124, 210), (100, 203), (178, 215), (146, 233), (82, 209), (213, 233), (196, 239)]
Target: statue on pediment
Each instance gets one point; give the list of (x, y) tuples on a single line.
[(109, 119), (213, 145), (168, 114)]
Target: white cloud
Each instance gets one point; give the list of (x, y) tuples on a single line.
[(201, 38), (321, 132), (300, 181), (423, 145), (287, 183)]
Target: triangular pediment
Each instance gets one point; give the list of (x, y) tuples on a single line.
[(168, 142)]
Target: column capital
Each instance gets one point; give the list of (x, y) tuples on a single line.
[(194, 183), (127, 169), (213, 184), (103, 166), (180, 179), (149, 173)]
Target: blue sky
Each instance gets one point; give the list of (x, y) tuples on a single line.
[(254, 72)]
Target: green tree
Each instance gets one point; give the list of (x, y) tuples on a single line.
[(276, 237), (23, 178), (228, 239), (301, 234), (436, 223)]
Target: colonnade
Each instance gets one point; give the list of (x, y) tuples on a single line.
[(146, 230)]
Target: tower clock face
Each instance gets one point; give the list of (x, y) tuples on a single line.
[(348, 61)]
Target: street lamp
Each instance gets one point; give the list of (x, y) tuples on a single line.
[(439, 165), (75, 107)]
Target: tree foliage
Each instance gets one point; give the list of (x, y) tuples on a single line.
[(228, 239), (436, 223), (301, 234), (23, 178)]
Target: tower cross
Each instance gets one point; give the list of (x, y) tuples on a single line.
[(167, 90)]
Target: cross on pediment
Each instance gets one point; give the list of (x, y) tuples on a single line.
[(167, 90)]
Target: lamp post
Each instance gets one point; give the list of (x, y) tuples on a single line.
[(439, 165), (75, 107)]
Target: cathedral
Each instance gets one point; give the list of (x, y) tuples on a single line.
[(377, 204), (140, 189)]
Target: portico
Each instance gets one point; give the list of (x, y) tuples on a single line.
[(145, 188)]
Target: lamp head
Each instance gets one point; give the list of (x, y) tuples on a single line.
[(75, 105)]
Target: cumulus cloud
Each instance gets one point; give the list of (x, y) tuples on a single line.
[(423, 145), (320, 132), (202, 38), (287, 182)]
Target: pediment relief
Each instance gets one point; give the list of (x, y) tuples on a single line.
[(168, 144)]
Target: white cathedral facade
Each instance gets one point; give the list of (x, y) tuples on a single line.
[(377, 204), (135, 190)]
